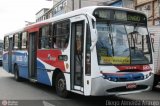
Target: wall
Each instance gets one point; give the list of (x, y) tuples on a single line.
[(129, 4), (155, 34), (138, 2), (151, 9)]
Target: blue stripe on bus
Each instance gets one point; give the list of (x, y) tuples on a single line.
[(42, 75), (22, 60)]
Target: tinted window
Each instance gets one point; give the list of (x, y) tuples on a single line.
[(24, 40), (61, 34), (15, 41), (6, 43), (45, 37)]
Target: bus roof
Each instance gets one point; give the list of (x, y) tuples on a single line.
[(83, 10), (13, 32)]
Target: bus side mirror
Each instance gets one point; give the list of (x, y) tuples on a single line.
[(94, 38)]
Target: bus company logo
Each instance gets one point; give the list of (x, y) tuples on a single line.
[(19, 58), (4, 103)]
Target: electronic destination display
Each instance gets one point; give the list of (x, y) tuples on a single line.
[(119, 15)]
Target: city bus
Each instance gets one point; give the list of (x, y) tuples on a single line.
[(92, 51)]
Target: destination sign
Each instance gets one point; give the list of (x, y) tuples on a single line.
[(103, 14), (119, 15), (133, 18), (136, 17)]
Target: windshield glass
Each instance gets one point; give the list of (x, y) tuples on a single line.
[(122, 44), (139, 44)]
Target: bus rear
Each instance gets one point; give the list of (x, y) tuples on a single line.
[(124, 61)]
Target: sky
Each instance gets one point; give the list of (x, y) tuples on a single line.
[(14, 13)]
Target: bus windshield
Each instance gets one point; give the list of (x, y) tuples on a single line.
[(120, 44)]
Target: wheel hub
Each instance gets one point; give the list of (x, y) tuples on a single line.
[(61, 84)]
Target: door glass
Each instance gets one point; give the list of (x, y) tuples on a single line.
[(32, 55), (78, 54)]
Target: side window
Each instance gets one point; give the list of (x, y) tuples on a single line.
[(6, 43), (61, 34), (24, 40), (45, 37), (15, 41)]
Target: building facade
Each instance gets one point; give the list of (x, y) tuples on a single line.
[(40, 15), (64, 6), (120, 3), (151, 8)]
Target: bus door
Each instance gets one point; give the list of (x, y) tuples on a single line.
[(32, 55), (10, 54), (77, 55)]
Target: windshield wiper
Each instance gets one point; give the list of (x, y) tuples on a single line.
[(111, 39), (133, 41)]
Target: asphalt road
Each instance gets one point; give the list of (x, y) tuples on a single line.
[(13, 93)]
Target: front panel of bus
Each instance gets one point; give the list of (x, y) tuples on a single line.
[(123, 51)]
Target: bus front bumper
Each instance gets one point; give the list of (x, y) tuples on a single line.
[(102, 87)]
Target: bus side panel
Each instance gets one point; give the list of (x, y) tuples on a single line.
[(42, 76), (47, 62), (23, 71), (21, 59), (5, 61)]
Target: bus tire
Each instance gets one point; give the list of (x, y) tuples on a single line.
[(16, 73), (60, 86), (156, 80)]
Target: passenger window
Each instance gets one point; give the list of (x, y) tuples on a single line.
[(6, 43), (61, 34), (45, 40), (24, 40), (15, 41)]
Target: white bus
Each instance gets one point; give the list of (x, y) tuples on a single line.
[(93, 51)]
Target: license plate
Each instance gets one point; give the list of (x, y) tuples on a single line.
[(131, 86)]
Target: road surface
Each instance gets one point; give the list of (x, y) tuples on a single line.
[(13, 93)]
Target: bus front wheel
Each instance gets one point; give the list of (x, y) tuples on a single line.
[(61, 85)]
